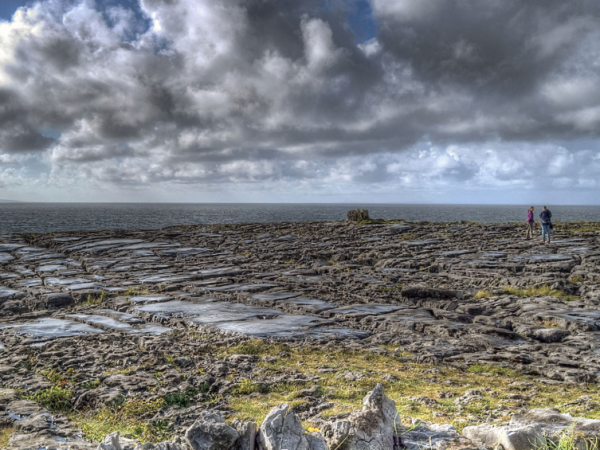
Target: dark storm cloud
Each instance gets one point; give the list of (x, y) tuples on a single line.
[(264, 90)]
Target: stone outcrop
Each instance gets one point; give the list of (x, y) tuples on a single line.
[(532, 429), (282, 429), (376, 425), (358, 215)]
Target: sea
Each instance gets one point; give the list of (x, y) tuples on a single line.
[(50, 217)]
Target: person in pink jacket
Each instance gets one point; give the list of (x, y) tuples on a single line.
[(530, 223)]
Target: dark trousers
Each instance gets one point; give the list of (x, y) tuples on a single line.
[(530, 226)]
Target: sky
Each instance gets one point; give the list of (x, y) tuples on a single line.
[(349, 101)]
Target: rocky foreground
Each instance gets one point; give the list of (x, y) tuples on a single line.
[(169, 335)]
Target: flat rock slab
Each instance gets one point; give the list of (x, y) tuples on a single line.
[(110, 324), (64, 281), (226, 312), (492, 255), (104, 243), (188, 251), (31, 283), (53, 328), (8, 276), (5, 258), (38, 257), (106, 323), (10, 247), (280, 327), (82, 286), (209, 312), (276, 296), (309, 304), (422, 243), (241, 288), (6, 293), (457, 252), (543, 258), (220, 272), (147, 245), (581, 250), (157, 279), (149, 298), (371, 309), (400, 228), (121, 316), (51, 268), (397, 270)]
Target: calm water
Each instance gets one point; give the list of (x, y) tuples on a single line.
[(45, 217)]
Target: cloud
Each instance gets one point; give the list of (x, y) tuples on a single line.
[(264, 91)]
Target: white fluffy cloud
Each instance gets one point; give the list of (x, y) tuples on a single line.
[(269, 96)]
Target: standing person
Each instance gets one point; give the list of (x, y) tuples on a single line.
[(545, 217), (530, 223)]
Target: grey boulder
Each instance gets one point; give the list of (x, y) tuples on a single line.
[(282, 429), (211, 432), (375, 426), (526, 437)]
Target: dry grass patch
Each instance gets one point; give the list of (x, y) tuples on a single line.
[(433, 389), (540, 291), (4, 436), (128, 417)]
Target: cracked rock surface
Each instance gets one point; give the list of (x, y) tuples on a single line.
[(96, 303)]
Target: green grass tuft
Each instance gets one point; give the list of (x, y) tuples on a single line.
[(54, 399)]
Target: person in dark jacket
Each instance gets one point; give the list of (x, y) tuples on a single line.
[(530, 223), (545, 217)]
